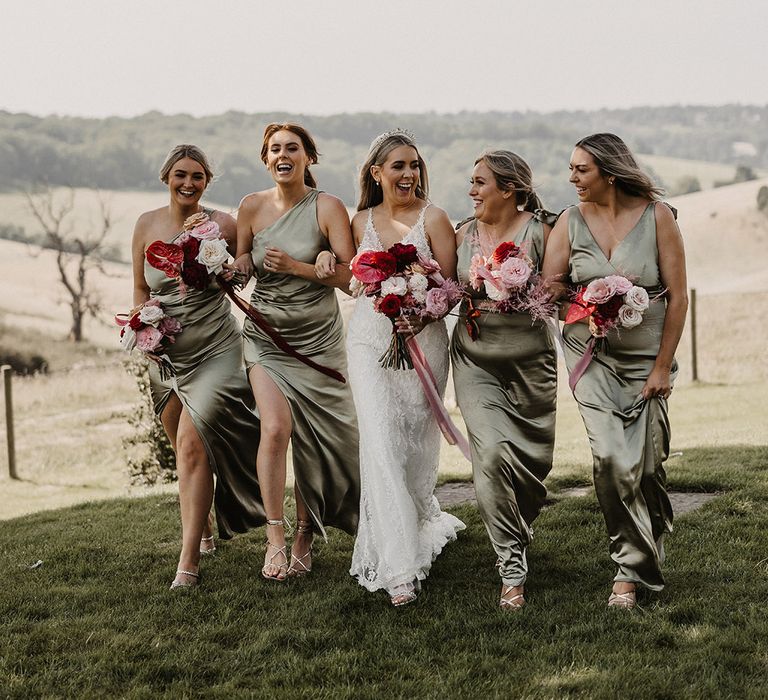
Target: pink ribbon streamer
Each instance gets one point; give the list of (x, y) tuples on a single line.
[(429, 384), (581, 366)]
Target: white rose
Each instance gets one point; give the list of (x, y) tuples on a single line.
[(493, 292), (629, 317), (394, 285), (213, 254), (151, 315), (128, 339), (637, 299)]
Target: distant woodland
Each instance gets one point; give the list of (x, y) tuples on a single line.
[(125, 154)]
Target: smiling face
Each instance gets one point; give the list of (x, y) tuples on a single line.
[(399, 175), (591, 185), (286, 158), (487, 198), (187, 181)]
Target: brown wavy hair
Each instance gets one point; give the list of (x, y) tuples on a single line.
[(310, 147), (614, 159), (511, 172)]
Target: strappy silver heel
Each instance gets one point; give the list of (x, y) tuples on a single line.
[(185, 584), (516, 602), (207, 550), (298, 565), (269, 559)]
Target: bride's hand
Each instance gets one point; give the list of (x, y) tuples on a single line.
[(325, 264), (411, 325)]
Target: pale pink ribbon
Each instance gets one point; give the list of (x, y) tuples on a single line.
[(429, 383), (581, 366)]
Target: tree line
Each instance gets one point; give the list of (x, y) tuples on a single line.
[(122, 153)]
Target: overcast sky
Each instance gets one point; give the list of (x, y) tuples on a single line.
[(101, 57)]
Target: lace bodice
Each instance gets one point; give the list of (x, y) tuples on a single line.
[(416, 236)]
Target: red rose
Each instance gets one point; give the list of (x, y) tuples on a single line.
[(390, 305), (373, 266), (505, 250), (405, 254), (195, 275), (191, 247), (135, 322), (610, 310)]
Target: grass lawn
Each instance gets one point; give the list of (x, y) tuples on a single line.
[(96, 618)]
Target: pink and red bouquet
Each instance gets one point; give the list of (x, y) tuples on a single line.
[(511, 282), (609, 302), (402, 283), (198, 253), (150, 330)]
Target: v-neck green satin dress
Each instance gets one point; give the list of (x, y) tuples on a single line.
[(506, 388), (629, 435), (324, 441), (210, 381)]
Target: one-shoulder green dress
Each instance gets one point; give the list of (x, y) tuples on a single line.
[(629, 435), (506, 388), (211, 384), (324, 440)]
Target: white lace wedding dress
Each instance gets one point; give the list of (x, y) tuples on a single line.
[(402, 528)]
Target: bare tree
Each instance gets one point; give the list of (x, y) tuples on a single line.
[(77, 252)]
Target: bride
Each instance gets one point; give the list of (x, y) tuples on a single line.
[(402, 528)]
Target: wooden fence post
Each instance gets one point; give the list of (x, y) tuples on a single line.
[(7, 374), (694, 349)]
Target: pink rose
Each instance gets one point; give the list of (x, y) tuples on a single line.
[(637, 299), (619, 284), (514, 272), (437, 303), (207, 231), (169, 326), (148, 339), (598, 292)]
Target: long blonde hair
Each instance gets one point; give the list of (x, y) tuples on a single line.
[(310, 148), (511, 172), (381, 147), (613, 158)]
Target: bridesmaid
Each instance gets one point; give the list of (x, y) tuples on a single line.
[(506, 379), (206, 409), (620, 227), (280, 233)]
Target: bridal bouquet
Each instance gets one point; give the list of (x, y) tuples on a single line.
[(402, 283), (149, 329), (511, 282), (609, 302), (197, 254)]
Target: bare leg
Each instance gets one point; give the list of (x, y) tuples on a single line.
[(276, 426), (170, 419), (195, 484)]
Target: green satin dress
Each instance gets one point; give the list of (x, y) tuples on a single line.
[(629, 436), (210, 381), (506, 388), (324, 440)]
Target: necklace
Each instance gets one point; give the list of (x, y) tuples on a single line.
[(488, 243)]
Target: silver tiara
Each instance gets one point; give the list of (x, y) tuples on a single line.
[(388, 134)]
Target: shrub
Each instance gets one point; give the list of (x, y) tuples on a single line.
[(23, 362), (151, 459)]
